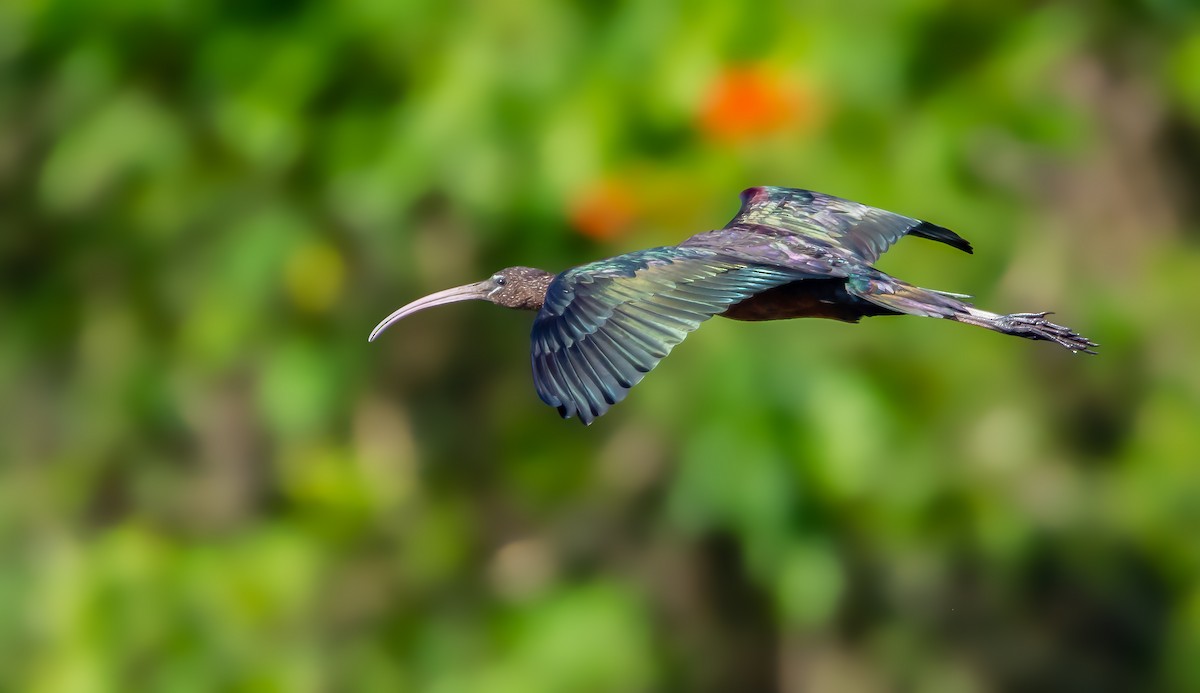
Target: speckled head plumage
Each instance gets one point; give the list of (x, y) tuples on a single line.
[(520, 288)]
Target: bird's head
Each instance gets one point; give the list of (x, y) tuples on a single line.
[(523, 288)]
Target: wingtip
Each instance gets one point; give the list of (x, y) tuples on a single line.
[(942, 234), (566, 411)]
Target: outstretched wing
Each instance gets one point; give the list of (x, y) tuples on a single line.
[(606, 324), (865, 231)]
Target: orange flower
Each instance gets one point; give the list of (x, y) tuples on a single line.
[(750, 101), (604, 209)]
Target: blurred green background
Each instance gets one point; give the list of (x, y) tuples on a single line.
[(210, 481)]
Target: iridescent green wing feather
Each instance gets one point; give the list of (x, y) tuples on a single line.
[(864, 231), (606, 324)]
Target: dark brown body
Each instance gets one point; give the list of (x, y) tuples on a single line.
[(810, 298)]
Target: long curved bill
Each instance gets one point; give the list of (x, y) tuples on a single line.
[(478, 290)]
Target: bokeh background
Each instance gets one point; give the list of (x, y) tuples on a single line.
[(210, 481)]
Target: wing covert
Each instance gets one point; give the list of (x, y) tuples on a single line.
[(606, 324), (865, 231)]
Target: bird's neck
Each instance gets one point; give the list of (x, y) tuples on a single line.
[(538, 289)]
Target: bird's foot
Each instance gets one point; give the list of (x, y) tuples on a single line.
[(1035, 326)]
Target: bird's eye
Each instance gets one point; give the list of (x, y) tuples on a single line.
[(500, 281)]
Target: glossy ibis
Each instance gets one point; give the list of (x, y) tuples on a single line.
[(788, 253)]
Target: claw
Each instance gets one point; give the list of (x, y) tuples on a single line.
[(1035, 326)]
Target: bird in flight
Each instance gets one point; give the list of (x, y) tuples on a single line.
[(788, 253)]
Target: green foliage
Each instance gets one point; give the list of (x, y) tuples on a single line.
[(210, 481)]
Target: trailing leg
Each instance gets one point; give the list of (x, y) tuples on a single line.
[(891, 293), (1029, 326)]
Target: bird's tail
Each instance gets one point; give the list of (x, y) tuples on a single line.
[(893, 294)]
